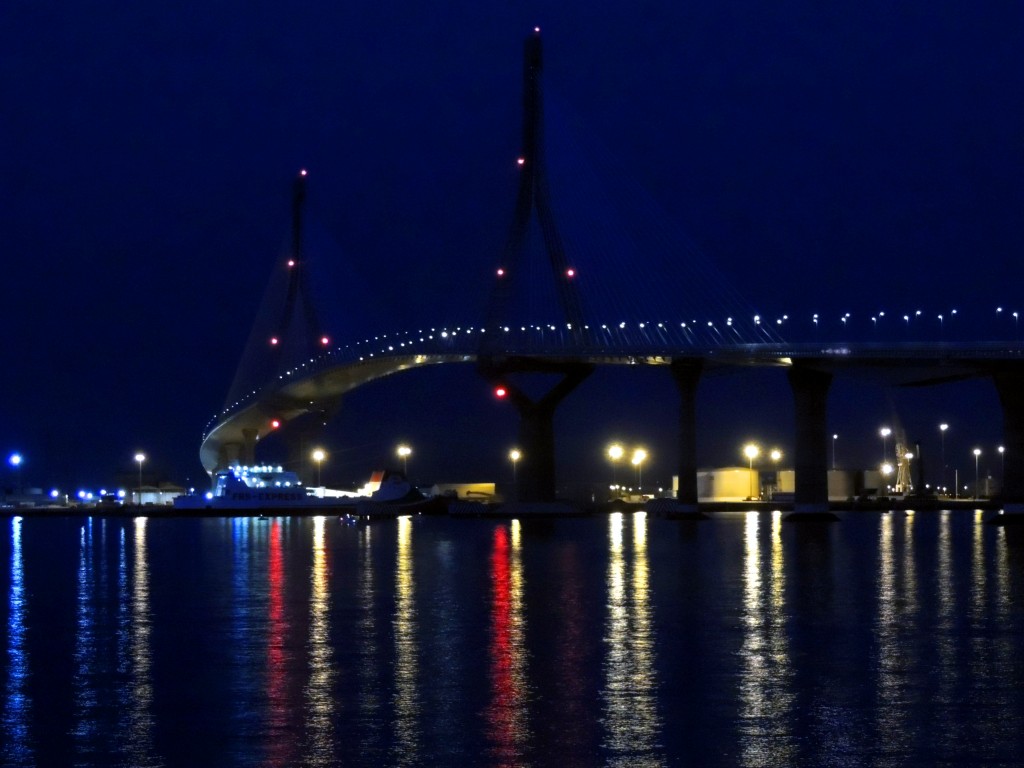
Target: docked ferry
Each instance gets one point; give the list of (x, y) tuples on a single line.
[(262, 487)]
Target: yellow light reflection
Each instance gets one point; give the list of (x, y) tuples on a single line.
[(320, 729), (407, 701), (632, 723), (765, 691)]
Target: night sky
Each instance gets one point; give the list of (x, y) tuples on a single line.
[(827, 157)]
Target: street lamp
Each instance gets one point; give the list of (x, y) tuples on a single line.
[(751, 451), (403, 452), (977, 453), (1002, 465), (884, 432), (140, 457), (834, 438), (615, 453), (16, 460), (638, 459), (318, 457), (514, 456), (942, 433)]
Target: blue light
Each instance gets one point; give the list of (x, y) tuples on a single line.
[(15, 459), (54, 493)]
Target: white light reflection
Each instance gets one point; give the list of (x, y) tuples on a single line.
[(319, 699), (16, 749), (951, 728), (85, 653), (897, 601), (370, 684), (140, 713), (766, 682), (407, 699), (631, 720)]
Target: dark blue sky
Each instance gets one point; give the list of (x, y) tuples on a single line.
[(858, 156)]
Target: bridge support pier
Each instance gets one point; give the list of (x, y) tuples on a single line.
[(535, 479), (1009, 382), (686, 372), (810, 397)]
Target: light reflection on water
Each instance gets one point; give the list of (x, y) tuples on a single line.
[(887, 639), (507, 730), (765, 686), (631, 722), (16, 749), (406, 701)]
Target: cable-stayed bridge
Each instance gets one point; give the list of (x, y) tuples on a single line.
[(562, 289)]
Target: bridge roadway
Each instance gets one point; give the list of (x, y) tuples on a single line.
[(317, 384)]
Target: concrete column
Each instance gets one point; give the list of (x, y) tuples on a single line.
[(1009, 383), (810, 396), (686, 373), (249, 436), (536, 478)]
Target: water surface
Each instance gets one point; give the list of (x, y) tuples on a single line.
[(883, 640)]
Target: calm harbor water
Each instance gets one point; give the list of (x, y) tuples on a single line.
[(883, 640)]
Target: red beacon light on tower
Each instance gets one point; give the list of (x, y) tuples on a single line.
[(570, 272), (501, 272), (324, 341), (274, 341), (500, 392), (275, 423)]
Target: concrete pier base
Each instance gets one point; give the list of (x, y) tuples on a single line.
[(535, 479), (1009, 382), (686, 373), (810, 398)]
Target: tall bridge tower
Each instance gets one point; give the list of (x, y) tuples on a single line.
[(501, 367)]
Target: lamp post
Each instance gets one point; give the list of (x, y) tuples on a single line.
[(751, 451), (514, 456), (977, 453), (318, 457), (615, 453), (140, 457), (638, 460), (834, 438), (1002, 465), (884, 432), (403, 452), (942, 436), (16, 460)]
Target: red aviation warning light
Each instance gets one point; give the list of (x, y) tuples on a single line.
[(520, 161), (324, 340), (275, 423), (501, 272), (500, 392), (274, 341), (570, 272), (291, 263)]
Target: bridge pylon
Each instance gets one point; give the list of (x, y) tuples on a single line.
[(536, 479)]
